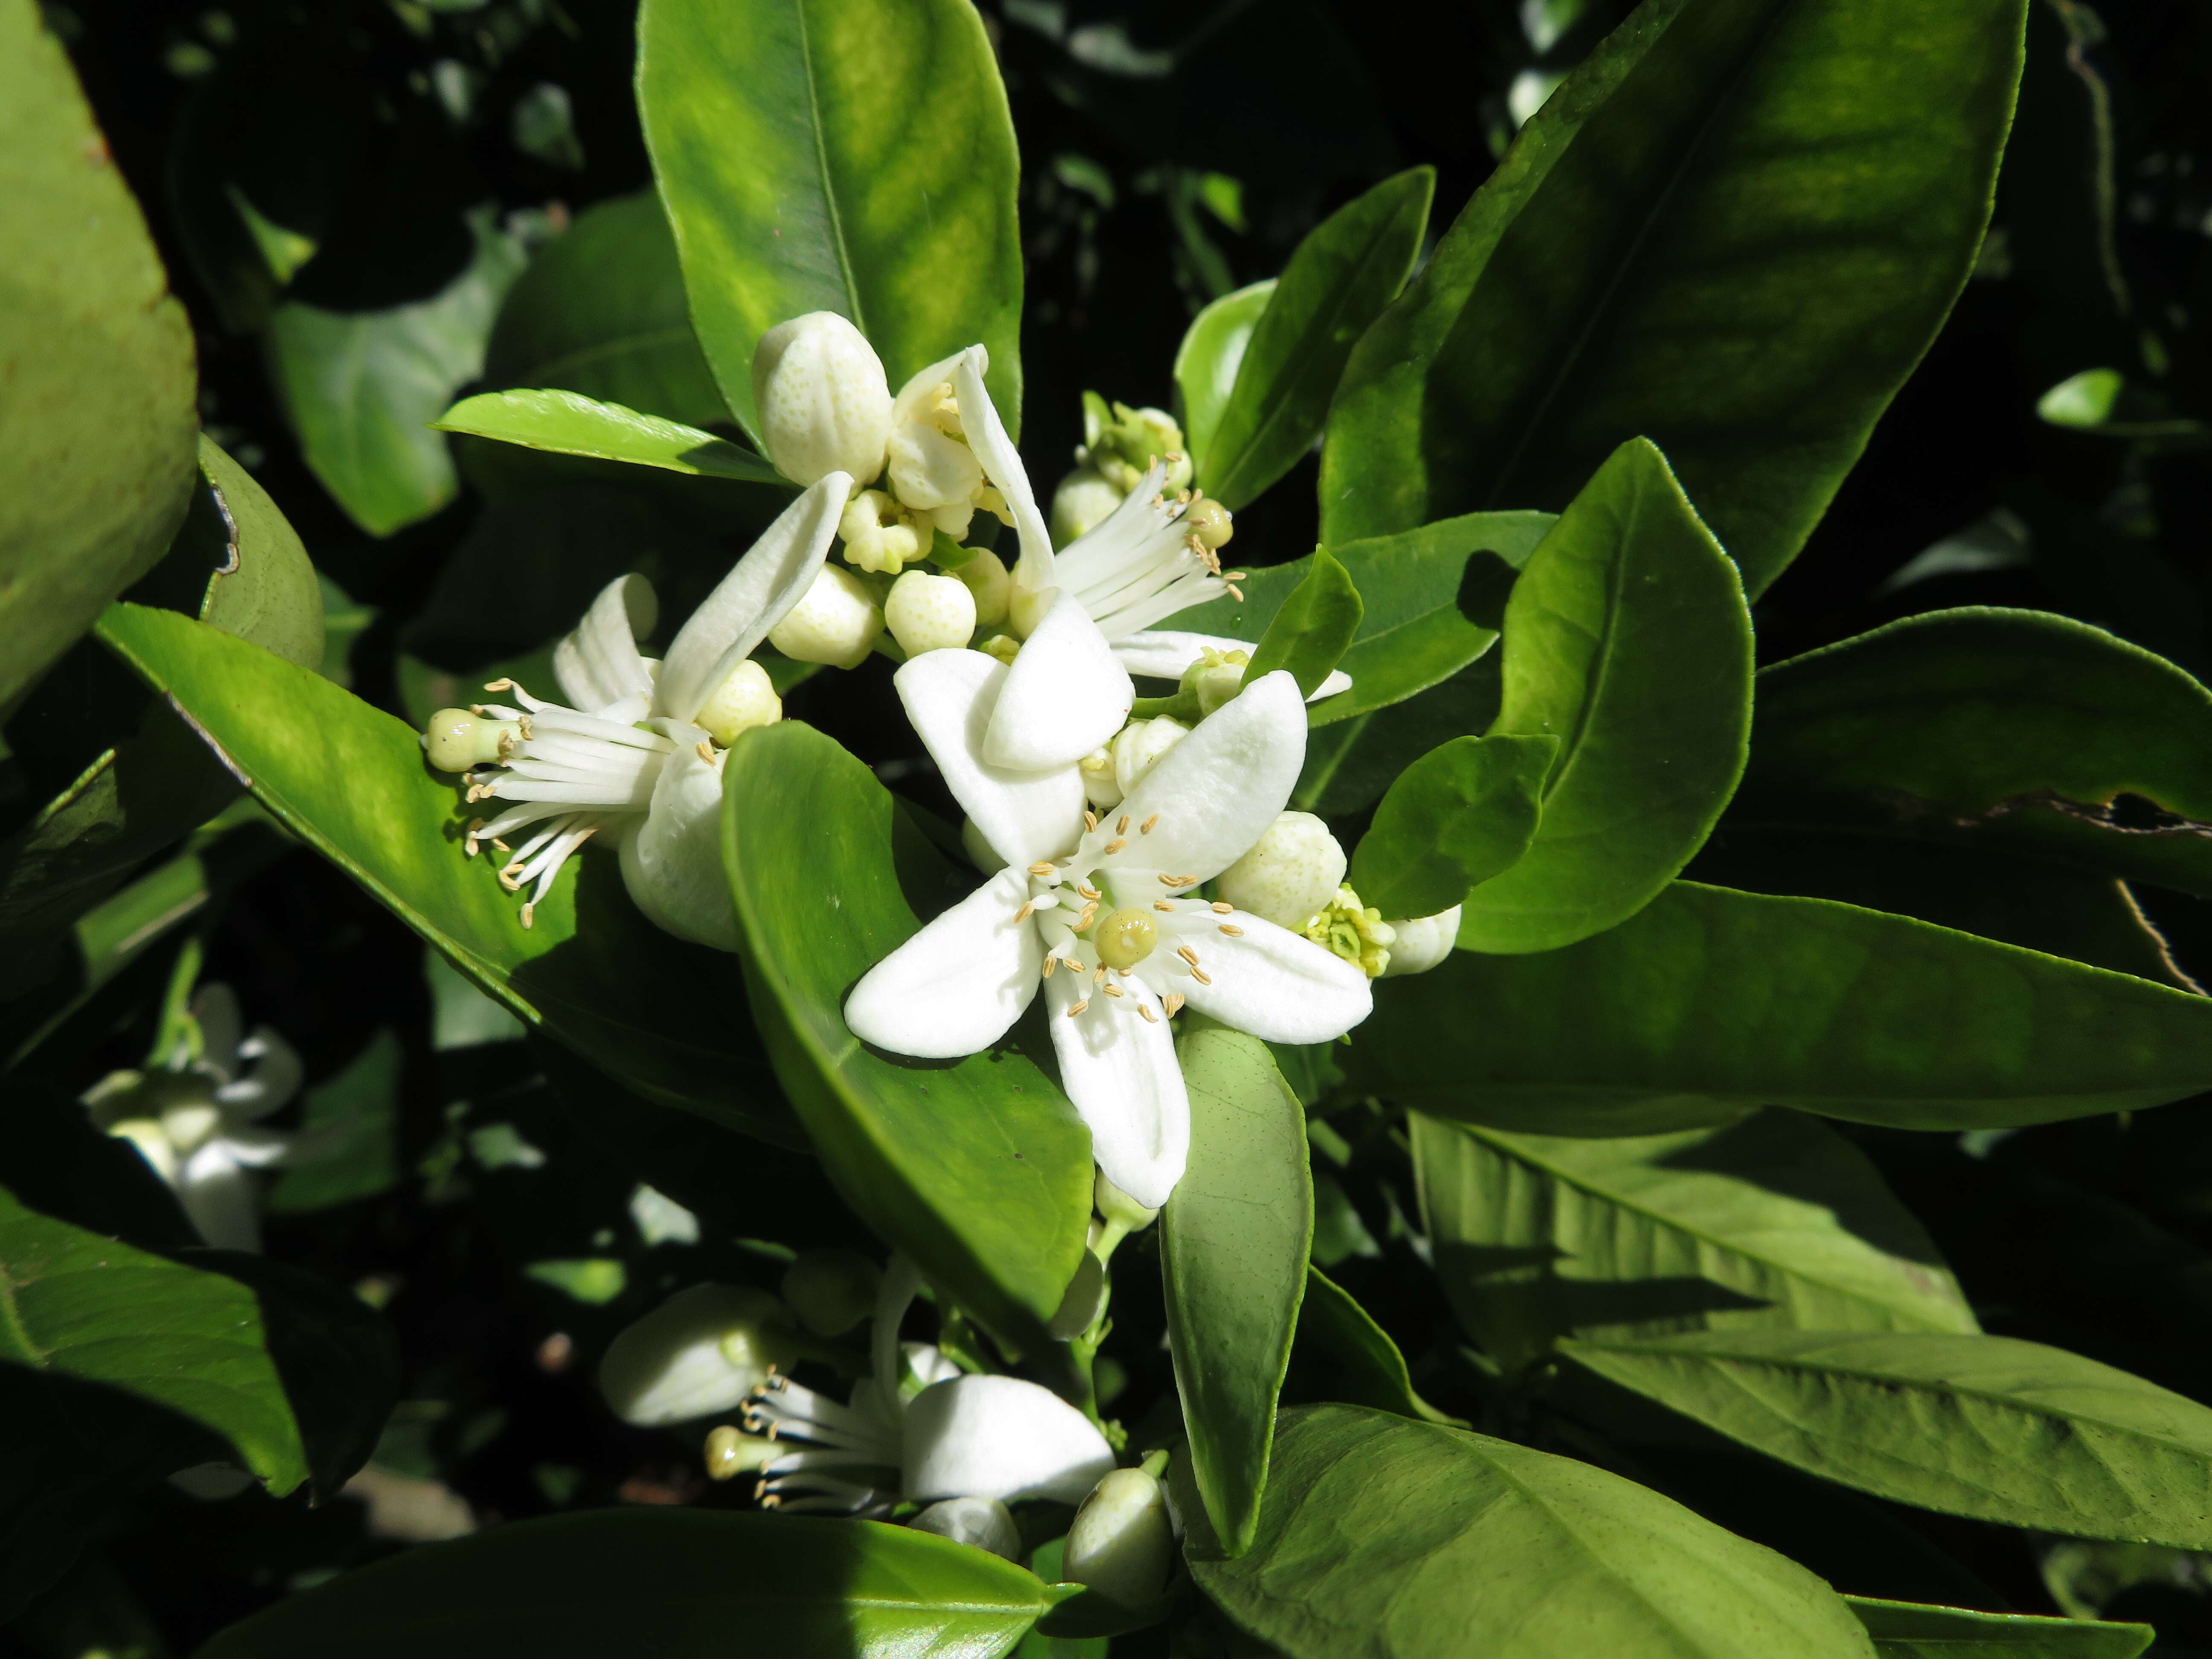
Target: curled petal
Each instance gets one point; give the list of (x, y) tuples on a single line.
[(1278, 985), (672, 858), (1217, 790), (1064, 696), (999, 1437), (599, 663), (1024, 816), (986, 436), (954, 987), (1120, 1070)]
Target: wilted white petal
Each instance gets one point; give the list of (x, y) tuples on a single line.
[(954, 987), (672, 858), (1278, 985), (1120, 1071), (1002, 465), (1064, 696), (773, 576), (1219, 790), (1025, 816), (999, 1437), (599, 663)]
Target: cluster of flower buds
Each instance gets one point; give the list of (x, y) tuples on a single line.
[(1118, 444)]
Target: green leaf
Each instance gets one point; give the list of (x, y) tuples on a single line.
[(2012, 731), (664, 1581), (1458, 816), (1338, 280), (1212, 352), (266, 590), (97, 424), (1360, 1350), (979, 1170), (94, 1309), (1627, 639), (1388, 1540), (1734, 231), (1906, 1629), (349, 1129), (1432, 600), (1711, 1002), (1776, 1220), (351, 781), (361, 387), (570, 424), (799, 175), (1984, 1426), (1234, 1239), (1309, 631)]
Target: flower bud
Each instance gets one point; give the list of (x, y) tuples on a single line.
[(1080, 503), (1004, 646), (1119, 1207), (1122, 1544), (1289, 874), (1215, 677), (822, 401), (836, 622), (1120, 446), (831, 1291), (1422, 942), (1098, 785), (701, 1351), (1140, 745), (882, 535), (983, 1522), (456, 739), (746, 699), (986, 579), (930, 613), (1355, 932)]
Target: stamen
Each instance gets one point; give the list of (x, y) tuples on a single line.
[(1180, 881), (1172, 1002), (1088, 892), (1079, 1007), (1041, 869), (1222, 908), (499, 685), (1202, 976), (1146, 827), (529, 913), (1115, 846), (1167, 905), (1123, 828), (1113, 990), (705, 750), (1146, 1009), (1233, 932), (1050, 963), (1098, 975), (1024, 914), (1091, 820)]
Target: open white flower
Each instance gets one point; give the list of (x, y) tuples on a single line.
[(1101, 914), (638, 750), (194, 1116)]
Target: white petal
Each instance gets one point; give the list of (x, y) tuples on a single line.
[(1338, 681), (1163, 653), (772, 577), (954, 987), (1064, 696), (258, 1149), (999, 1437), (1120, 1070), (1423, 943), (1002, 465), (215, 1008), (276, 1078), (1278, 985), (1217, 790), (671, 859), (599, 663), (218, 1198), (1024, 816)]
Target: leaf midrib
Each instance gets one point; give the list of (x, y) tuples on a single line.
[(821, 168)]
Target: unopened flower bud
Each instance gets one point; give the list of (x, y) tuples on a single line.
[(1120, 446), (986, 579), (983, 1522), (1289, 875), (822, 401), (1004, 646), (1355, 932), (1117, 1206), (836, 622), (1215, 677), (1099, 788), (701, 1351), (456, 739), (1081, 502), (831, 1291), (1122, 1544), (1140, 747), (930, 613), (746, 699), (882, 535), (1421, 943)]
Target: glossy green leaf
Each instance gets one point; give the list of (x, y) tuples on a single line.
[(1350, 764), (351, 781), (95, 1309), (1985, 1426), (349, 1125), (601, 310), (1360, 1350), (1212, 352), (1711, 1002), (1384, 1539), (1432, 603), (1906, 1629), (1627, 639), (570, 424), (978, 1169), (1776, 1220), (1310, 629), (800, 173), (1461, 814), (265, 590), (1234, 1240), (96, 428), (361, 387), (2012, 731), (663, 1581), (1338, 280), (1734, 231)]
